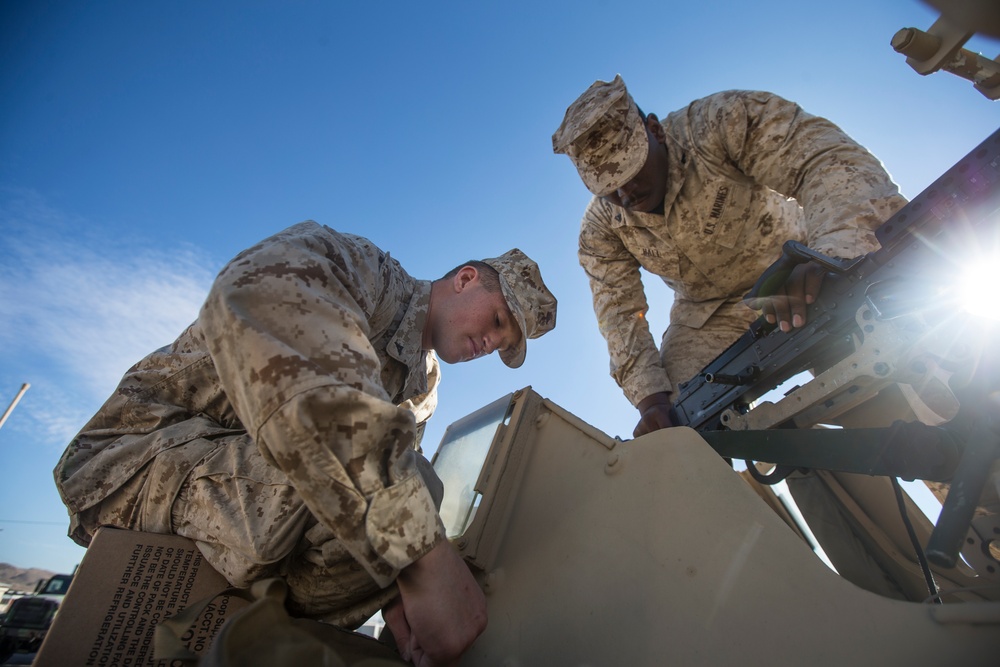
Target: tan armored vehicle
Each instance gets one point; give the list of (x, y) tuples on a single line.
[(595, 551)]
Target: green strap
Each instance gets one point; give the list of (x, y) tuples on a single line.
[(167, 643)]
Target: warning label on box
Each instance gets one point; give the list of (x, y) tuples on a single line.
[(127, 584), (157, 581)]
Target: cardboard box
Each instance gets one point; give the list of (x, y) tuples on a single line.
[(126, 584)]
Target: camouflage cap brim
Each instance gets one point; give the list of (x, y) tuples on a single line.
[(605, 136), (515, 356), (531, 303)]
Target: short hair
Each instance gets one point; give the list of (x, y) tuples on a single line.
[(488, 276)]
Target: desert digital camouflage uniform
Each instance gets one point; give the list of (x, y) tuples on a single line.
[(309, 469), (747, 171)]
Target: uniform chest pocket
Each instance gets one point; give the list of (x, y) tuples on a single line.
[(722, 211)]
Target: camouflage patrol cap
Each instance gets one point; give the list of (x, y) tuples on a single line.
[(604, 135), (529, 300)]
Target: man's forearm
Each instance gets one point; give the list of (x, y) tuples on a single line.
[(443, 608)]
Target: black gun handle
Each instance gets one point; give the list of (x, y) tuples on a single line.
[(959, 506), (793, 253)]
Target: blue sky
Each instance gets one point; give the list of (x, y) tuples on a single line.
[(144, 144)]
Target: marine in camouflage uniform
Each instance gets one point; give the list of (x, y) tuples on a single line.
[(280, 430), (740, 172), (745, 172)]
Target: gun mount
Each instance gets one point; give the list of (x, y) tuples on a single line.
[(892, 318)]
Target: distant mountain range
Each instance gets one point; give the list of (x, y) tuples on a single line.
[(19, 578)]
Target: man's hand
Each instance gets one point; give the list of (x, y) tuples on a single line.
[(441, 609), (787, 306), (654, 414)]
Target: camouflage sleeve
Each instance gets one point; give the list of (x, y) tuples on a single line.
[(620, 306), (844, 190), (286, 323)]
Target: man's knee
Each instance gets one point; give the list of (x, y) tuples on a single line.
[(262, 524), (236, 500)]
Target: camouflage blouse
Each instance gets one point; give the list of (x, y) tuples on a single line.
[(310, 342), (747, 172)]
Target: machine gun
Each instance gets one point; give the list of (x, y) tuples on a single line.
[(891, 317)]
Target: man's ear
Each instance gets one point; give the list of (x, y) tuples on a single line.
[(654, 126), (465, 276)]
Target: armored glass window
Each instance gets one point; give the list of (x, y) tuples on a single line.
[(460, 459)]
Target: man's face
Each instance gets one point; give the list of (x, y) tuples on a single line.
[(645, 192), (471, 322)]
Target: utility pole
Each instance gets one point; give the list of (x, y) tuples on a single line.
[(13, 404)]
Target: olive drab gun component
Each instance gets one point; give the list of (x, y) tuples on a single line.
[(941, 47), (891, 317)]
